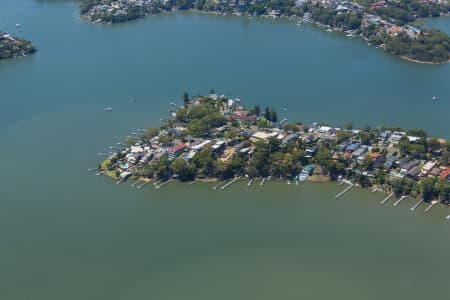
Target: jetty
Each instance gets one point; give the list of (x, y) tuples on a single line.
[(433, 203), (262, 181), (142, 185), (250, 182), (417, 205), (163, 184), (386, 199), (228, 184), (139, 180), (341, 183), (219, 184), (344, 191), (192, 182), (448, 217), (400, 200)]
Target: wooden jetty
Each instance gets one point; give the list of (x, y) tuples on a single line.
[(400, 200), (448, 217), (228, 184), (387, 198), (219, 184), (192, 182), (250, 182), (139, 180), (344, 191), (142, 185), (433, 203), (262, 181), (417, 205), (163, 184), (341, 183)]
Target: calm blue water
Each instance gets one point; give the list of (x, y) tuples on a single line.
[(67, 234)]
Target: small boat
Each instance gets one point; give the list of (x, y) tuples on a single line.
[(285, 109), (448, 217), (329, 30), (108, 109), (434, 98)]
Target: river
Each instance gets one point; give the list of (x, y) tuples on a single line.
[(68, 234)]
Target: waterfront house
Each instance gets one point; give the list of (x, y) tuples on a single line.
[(352, 147), (262, 135), (176, 150), (434, 172), (359, 151), (380, 162), (201, 145), (397, 136), (311, 151), (413, 172), (445, 174), (427, 168), (405, 167), (289, 138), (218, 146)]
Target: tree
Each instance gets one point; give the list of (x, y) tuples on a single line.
[(149, 133), (428, 189), (443, 188), (162, 168), (348, 125), (273, 115), (368, 163), (257, 110), (267, 113), (204, 162), (185, 99), (184, 171)]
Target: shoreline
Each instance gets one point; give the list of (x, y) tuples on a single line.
[(214, 138), (423, 62), (266, 16)]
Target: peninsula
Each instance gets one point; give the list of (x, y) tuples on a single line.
[(214, 138), (390, 25), (12, 47)]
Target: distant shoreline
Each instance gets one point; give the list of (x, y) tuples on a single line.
[(424, 62)]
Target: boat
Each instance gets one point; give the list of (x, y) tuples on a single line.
[(434, 98), (108, 109), (285, 109)]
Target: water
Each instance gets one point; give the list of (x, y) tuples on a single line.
[(67, 234)]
